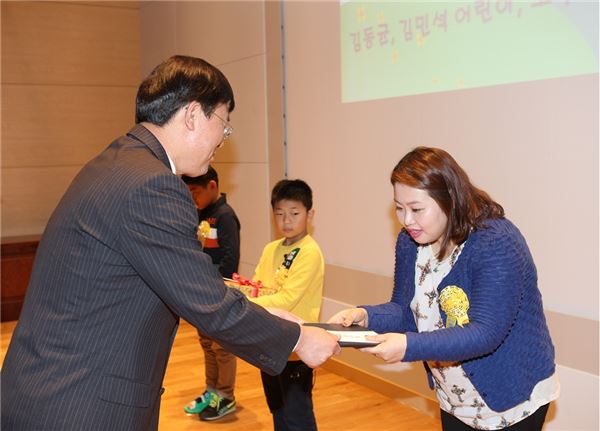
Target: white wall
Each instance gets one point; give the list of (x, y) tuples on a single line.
[(533, 146)]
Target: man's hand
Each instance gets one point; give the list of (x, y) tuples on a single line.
[(284, 314), (316, 345)]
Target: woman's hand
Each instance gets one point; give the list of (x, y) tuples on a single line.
[(351, 316), (391, 348)]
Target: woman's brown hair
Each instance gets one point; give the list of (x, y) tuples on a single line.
[(436, 172)]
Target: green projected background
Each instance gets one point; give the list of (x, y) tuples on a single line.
[(398, 48)]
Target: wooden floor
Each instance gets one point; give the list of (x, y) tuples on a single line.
[(339, 403)]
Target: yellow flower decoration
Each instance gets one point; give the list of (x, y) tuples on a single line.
[(203, 230), (455, 304)]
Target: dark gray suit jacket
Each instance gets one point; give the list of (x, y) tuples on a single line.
[(117, 265)]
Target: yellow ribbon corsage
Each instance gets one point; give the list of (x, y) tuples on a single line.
[(281, 275), (455, 304), (203, 230)]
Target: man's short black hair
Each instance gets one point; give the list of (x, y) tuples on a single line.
[(293, 190), (202, 180), (178, 81)]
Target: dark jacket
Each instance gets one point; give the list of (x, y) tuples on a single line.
[(223, 242)]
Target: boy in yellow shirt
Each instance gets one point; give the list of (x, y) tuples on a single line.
[(293, 264)]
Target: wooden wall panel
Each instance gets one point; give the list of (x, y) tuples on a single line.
[(69, 43), (70, 71), (109, 3), (29, 195), (221, 31), (247, 144), (62, 125)]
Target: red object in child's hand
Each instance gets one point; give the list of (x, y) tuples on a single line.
[(245, 282), (249, 288)]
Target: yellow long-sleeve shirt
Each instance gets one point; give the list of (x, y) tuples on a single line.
[(300, 282)]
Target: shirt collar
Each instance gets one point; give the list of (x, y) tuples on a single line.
[(171, 163)]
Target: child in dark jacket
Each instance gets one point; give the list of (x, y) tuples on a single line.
[(219, 232)]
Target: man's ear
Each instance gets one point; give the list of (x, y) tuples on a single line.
[(212, 184), (311, 214), (191, 114)]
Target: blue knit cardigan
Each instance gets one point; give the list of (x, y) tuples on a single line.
[(506, 348)]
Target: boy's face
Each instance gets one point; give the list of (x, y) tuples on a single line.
[(203, 196), (291, 219)]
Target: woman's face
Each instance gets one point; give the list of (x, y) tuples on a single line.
[(421, 215)]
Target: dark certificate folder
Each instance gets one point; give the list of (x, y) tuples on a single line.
[(351, 336)]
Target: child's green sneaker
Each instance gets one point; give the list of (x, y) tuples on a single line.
[(199, 404), (217, 408)]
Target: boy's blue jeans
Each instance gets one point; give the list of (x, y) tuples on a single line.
[(289, 397)]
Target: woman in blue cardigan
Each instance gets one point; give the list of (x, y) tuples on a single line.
[(465, 301)]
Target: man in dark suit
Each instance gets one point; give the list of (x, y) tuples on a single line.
[(119, 263)]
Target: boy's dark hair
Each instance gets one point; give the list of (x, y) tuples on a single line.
[(202, 180), (178, 81), (293, 190)]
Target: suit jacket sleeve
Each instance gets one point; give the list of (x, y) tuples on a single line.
[(158, 238)]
